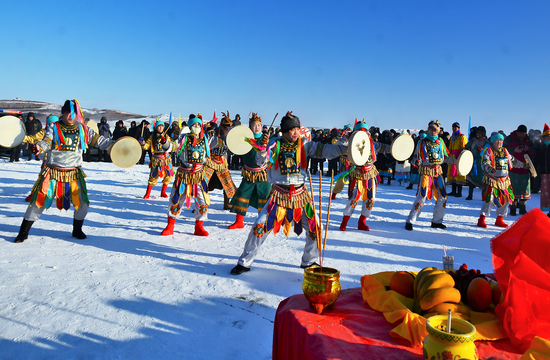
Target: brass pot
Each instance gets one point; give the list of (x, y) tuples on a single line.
[(321, 287)]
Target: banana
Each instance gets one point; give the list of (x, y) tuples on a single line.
[(443, 309), (438, 296), (419, 277), (434, 281), (425, 278)]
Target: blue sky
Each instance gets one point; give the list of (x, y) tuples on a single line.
[(399, 64)]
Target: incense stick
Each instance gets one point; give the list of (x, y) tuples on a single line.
[(314, 210), (320, 235), (328, 213)]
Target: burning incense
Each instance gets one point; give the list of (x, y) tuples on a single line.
[(314, 210)]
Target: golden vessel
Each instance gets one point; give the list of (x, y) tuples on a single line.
[(321, 287), (459, 344)]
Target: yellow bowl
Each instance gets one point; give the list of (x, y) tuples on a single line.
[(440, 344)]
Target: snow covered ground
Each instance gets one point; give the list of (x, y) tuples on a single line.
[(128, 293)]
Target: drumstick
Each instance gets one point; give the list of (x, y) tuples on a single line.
[(314, 210), (273, 122)]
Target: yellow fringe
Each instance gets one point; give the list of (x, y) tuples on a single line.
[(189, 178), (358, 173), (498, 184), (283, 200), (217, 163), (433, 171), (157, 162), (254, 176)]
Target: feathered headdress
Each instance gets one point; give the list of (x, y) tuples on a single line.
[(254, 118), (226, 120)]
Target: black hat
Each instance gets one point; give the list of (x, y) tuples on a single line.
[(289, 122), (66, 107), (522, 128), (30, 114), (103, 118)]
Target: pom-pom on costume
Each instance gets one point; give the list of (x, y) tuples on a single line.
[(216, 167), (160, 146), (61, 181), (190, 183), (431, 152), (363, 183), (254, 188), (289, 206)]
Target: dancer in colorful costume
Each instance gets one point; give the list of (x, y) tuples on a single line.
[(542, 161), (254, 189), (160, 145), (217, 172), (518, 145), (476, 146), (363, 182), (290, 201), (496, 164), (190, 183), (457, 143), (61, 181), (431, 152)]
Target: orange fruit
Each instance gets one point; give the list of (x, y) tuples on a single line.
[(479, 294), (403, 283)]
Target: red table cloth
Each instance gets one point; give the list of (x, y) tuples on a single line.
[(351, 331)]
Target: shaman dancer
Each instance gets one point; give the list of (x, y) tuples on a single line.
[(363, 183), (217, 172), (431, 152), (290, 201), (161, 161), (61, 181), (496, 164), (254, 189), (190, 183)]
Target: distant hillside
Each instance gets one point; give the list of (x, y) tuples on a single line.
[(42, 109)]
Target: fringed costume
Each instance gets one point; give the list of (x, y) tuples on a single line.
[(363, 183), (456, 145), (477, 146), (254, 189), (289, 206), (497, 187), (190, 184), (61, 181), (160, 146), (432, 153)]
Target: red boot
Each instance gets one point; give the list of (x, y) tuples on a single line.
[(344, 223), (199, 230), (28, 198), (169, 230), (148, 193), (500, 222), (333, 196), (481, 221), (238, 224), (361, 225), (163, 191)]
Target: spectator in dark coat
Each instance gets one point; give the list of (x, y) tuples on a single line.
[(104, 131), (236, 161), (120, 130), (32, 126), (144, 133), (174, 133), (133, 130)]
